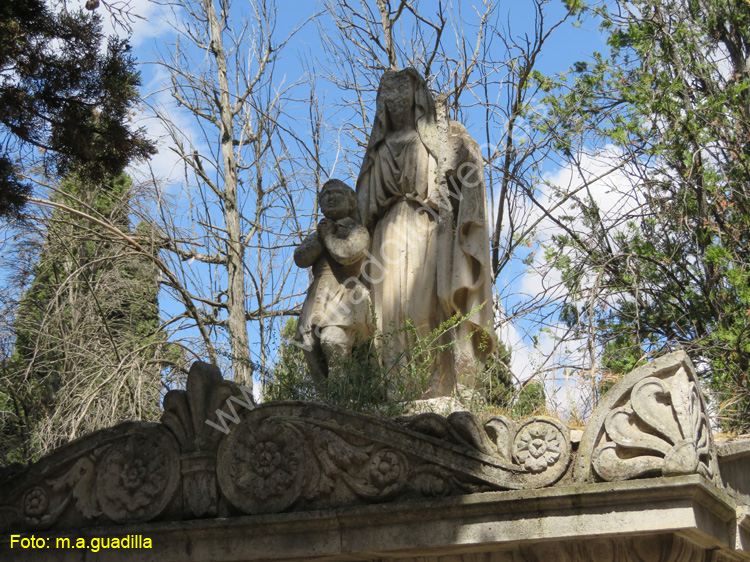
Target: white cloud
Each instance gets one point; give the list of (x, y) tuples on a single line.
[(553, 358), (165, 165), (599, 177), (148, 21), (553, 354), (519, 357), (141, 20)]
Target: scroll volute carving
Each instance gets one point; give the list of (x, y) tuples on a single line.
[(296, 456), (653, 422), (185, 414), (125, 474)]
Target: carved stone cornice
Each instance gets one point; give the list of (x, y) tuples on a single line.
[(273, 458), (309, 456), (125, 474), (217, 454)]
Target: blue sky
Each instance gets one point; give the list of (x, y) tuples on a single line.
[(568, 44)]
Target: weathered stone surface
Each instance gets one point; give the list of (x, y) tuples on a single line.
[(734, 464), (301, 481), (308, 456), (185, 414), (656, 548), (272, 458), (124, 474), (652, 422), (422, 197), (674, 519), (336, 314)]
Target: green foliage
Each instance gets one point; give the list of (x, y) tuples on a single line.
[(88, 350), (64, 96), (14, 191), (361, 382), (290, 379), (500, 393), (531, 401), (496, 379), (673, 97)]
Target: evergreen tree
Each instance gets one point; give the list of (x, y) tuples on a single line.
[(497, 379), (290, 379), (673, 97), (531, 401), (89, 351), (62, 97)]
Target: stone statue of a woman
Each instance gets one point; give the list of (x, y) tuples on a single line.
[(421, 196)]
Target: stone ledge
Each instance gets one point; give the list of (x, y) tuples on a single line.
[(688, 507), (734, 455), (733, 447), (302, 481)]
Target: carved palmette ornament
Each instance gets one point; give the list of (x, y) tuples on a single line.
[(652, 423), (289, 456), (185, 414)]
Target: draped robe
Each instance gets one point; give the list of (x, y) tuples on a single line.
[(424, 266)]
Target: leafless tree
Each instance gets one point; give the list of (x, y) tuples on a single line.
[(83, 347), (360, 40), (234, 217)]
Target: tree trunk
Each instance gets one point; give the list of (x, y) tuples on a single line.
[(238, 337)]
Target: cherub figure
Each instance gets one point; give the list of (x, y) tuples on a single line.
[(336, 314)]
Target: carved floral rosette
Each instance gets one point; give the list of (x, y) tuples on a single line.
[(137, 477), (291, 456), (128, 473), (653, 422)]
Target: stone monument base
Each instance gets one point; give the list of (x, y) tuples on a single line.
[(661, 520), (295, 481)]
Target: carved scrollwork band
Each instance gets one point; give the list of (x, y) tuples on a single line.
[(293, 456), (126, 474), (286, 454)]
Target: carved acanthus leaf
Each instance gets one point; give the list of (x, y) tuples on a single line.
[(653, 422)]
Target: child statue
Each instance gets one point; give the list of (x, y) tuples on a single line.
[(336, 314)]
